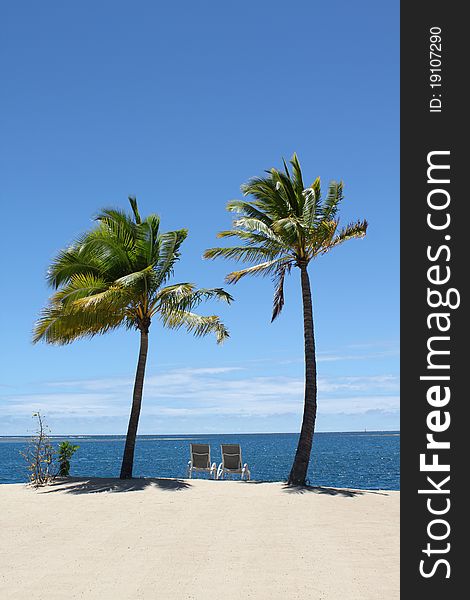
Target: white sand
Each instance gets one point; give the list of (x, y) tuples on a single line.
[(198, 540)]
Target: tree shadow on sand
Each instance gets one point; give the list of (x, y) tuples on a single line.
[(330, 491), (298, 489), (73, 485)]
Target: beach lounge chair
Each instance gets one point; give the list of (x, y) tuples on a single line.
[(232, 462), (200, 460)]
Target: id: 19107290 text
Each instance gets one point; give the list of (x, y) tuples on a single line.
[(435, 69)]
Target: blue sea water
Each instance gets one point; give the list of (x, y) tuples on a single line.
[(366, 460)]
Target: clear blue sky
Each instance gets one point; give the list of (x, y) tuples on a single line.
[(180, 103)]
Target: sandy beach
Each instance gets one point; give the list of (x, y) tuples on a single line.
[(197, 540)]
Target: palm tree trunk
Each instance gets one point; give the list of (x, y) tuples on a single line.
[(128, 457), (298, 474)]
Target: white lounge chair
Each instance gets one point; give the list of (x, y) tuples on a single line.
[(200, 460), (232, 462)]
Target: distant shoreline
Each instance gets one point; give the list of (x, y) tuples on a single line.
[(189, 435)]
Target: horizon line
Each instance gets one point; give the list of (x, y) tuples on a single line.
[(202, 434)]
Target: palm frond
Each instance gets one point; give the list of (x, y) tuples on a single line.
[(312, 201), (322, 236), (138, 282), (266, 238), (289, 229), (113, 298), (185, 297), (135, 210), (69, 262), (297, 179), (242, 253), (278, 300), (255, 226), (174, 293), (198, 325), (147, 244), (117, 223), (332, 201), (353, 230), (263, 269), (169, 254), (112, 251), (80, 285), (248, 210), (267, 195), (286, 190), (57, 325)]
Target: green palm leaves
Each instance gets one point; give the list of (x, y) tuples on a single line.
[(284, 224), (115, 275)]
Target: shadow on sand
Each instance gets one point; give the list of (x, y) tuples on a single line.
[(94, 485), (298, 489), (304, 489), (74, 485)]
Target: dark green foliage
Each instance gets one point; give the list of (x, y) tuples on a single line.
[(64, 454), (117, 275)]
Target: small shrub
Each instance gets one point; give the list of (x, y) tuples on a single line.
[(65, 453), (40, 455)]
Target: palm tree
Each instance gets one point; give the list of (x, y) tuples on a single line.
[(115, 276), (287, 225)]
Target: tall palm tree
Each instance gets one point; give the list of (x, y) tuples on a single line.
[(287, 225), (115, 276)]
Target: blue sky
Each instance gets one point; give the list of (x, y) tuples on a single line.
[(179, 104)]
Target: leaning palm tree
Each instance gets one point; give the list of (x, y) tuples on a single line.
[(287, 225), (115, 276)]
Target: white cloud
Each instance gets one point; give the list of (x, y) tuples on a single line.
[(359, 404), (384, 383), (209, 391), (326, 357)]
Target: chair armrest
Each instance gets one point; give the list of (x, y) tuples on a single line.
[(213, 470), (246, 471)]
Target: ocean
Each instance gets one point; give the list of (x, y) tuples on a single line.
[(361, 460)]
